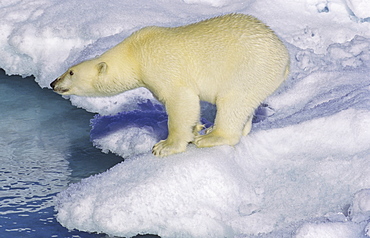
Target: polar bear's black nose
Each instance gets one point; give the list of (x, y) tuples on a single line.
[(52, 85)]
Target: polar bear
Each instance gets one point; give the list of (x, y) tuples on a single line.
[(233, 61)]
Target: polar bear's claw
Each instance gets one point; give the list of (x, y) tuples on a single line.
[(167, 147), (212, 139)]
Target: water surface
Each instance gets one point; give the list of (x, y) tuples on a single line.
[(44, 146)]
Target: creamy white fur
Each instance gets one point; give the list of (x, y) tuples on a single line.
[(234, 61)]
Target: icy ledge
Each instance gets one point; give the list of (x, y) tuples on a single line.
[(273, 179), (171, 197)]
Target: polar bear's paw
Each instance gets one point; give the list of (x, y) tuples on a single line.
[(214, 139), (168, 147), (197, 128)]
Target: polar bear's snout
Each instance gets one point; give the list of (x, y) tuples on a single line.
[(57, 88), (53, 84)]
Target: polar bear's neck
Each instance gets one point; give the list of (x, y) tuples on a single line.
[(122, 71)]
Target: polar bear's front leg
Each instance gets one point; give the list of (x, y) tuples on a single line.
[(233, 114), (183, 111)]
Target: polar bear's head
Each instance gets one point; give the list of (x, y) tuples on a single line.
[(82, 79)]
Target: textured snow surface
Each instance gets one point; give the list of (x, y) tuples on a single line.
[(304, 171)]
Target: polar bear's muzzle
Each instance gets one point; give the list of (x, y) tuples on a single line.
[(54, 85)]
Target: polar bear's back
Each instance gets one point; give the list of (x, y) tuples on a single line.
[(238, 25), (239, 29), (215, 54)]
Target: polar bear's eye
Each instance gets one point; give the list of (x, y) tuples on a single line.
[(71, 72)]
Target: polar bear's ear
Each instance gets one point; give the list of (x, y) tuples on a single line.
[(102, 67)]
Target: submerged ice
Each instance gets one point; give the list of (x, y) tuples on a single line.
[(303, 170)]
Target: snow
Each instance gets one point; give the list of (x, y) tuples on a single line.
[(359, 8), (304, 171), (329, 230)]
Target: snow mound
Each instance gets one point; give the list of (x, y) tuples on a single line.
[(360, 209), (130, 133), (269, 180), (337, 225)]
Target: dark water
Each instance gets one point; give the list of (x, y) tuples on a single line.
[(44, 146)]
